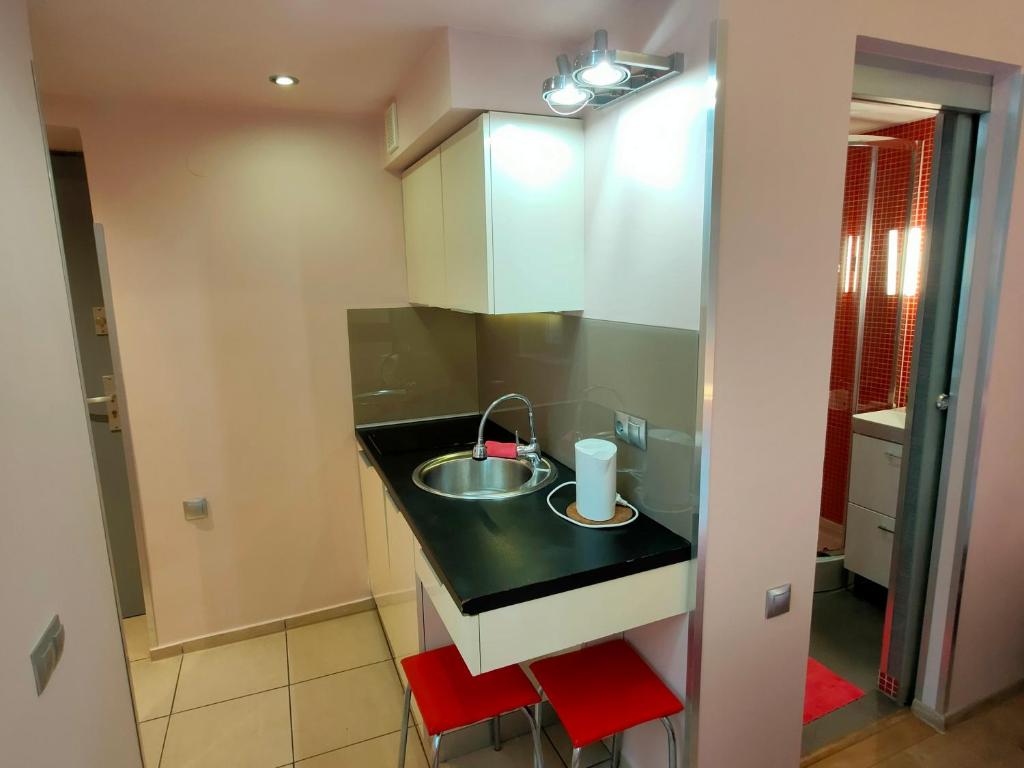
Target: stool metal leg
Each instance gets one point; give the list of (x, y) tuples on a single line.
[(437, 750), (534, 720), (671, 742), (616, 750), (405, 726), (496, 733), (576, 754)]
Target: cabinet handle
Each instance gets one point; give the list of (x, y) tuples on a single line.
[(887, 530)]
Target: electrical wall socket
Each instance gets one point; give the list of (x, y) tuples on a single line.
[(631, 429)]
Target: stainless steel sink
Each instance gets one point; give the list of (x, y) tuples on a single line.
[(460, 476)]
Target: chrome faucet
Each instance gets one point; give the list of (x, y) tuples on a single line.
[(531, 450)]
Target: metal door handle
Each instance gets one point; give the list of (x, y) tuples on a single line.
[(887, 530), (99, 399), (942, 402)]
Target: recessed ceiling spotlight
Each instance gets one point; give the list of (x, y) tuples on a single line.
[(599, 68), (284, 80)]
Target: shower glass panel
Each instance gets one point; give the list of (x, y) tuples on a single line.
[(878, 270)]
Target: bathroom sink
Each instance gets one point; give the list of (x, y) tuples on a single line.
[(460, 476)]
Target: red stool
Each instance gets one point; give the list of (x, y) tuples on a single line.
[(603, 690), (449, 698)]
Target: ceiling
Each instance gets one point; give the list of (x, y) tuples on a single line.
[(867, 116), (350, 55)]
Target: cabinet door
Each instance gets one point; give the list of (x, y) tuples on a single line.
[(374, 526), (466, 227), (869, 538), (424, 232), (399, 613), (536, 198), (875, 474)]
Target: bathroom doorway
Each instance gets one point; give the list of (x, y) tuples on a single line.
[(93, 328), (898, 275)]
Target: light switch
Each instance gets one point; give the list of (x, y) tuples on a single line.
[(47, 653), (776, 601), (195, 509)]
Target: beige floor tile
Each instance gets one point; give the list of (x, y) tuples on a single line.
[(136, 637), (151, 736), (381, 752), (348, 707), (336, 645), (515, 753), (251, 732), (229, 671), (592, 753), (153, 683)]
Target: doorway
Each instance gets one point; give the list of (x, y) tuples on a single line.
[(899, 270), (92, 332)]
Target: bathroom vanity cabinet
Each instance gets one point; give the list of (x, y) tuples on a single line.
[(494, 217), (873, 500)]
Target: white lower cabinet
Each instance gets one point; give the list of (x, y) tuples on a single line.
[(390, 547), (528, 630), (398, 611), (869, 537), (374, 525)]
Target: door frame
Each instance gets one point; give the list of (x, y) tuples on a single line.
[(988, 223), (126, 432)]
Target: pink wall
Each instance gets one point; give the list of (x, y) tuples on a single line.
[(53, 556), (236, 241), (769, 335), (785, 108)]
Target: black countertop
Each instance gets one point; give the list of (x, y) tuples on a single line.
[(492, 554)]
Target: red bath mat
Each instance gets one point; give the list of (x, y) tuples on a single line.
[(826, 691)]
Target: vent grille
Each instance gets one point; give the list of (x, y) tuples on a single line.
[(391, 128)]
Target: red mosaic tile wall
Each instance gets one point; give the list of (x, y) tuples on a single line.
[(885, 365)]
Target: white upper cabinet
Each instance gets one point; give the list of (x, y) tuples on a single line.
[(424, 231), (510, 210)]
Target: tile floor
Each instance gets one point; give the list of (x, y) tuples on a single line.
[(992, 738), (846, 636), (325, 695)]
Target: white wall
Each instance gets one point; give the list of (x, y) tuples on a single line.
[(786, 85), (53, 556), (644, 228), (772, 293), (236, 241), (645, 182)]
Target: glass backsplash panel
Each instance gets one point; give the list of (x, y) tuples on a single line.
[(578, 372), (411, 363)]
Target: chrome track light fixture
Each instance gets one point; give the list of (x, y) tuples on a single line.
[(602, 77)]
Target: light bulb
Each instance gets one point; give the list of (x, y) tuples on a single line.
[(567, 96), (604, 74), (284, 80)]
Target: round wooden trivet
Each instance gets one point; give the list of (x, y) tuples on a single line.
[(622, 515)]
